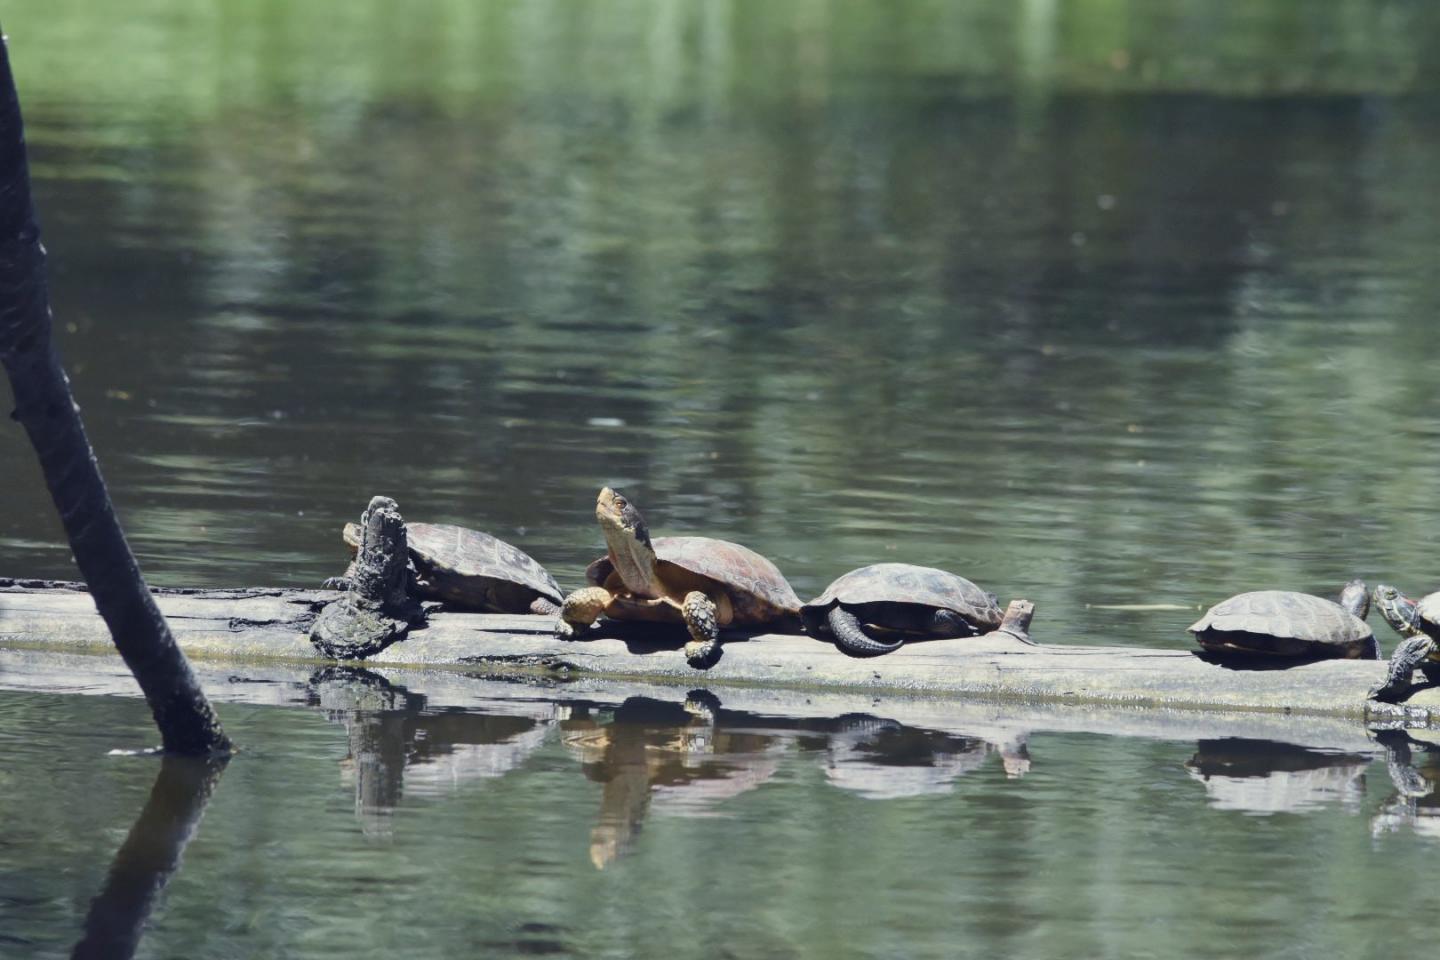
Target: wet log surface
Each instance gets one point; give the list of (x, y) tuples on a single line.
[(265, 624)]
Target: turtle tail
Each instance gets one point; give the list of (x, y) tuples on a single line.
[(545, 607), (851, 637)]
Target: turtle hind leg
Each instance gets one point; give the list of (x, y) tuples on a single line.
[(1403, 661), (702, 619), (851, 637), (544, 607), (580, 611)]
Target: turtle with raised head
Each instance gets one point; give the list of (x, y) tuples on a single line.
[(704, 583), (1288, 624), (471, 570), (1418, 621), (877, 609)]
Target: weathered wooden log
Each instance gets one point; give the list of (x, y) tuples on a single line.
[(272, 624)]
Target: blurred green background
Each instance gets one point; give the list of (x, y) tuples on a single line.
[(1095, 302)]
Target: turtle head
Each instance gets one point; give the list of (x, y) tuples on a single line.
[(1355, 597), (1398, 610), (628, 538)]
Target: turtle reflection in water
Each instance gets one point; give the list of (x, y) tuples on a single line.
[(470, 570), (1416, 802), (881, 759), (1286, 624), (1267, 776), (874, 610), (402, 744), (1418, 621), (704, 583), (650, 753)]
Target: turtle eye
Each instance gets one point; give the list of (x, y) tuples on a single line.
[(621, 503)]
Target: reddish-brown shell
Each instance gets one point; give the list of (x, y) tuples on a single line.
[(758, 592)]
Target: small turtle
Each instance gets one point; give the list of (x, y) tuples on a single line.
[(700, 581), (1284, 623), (876, 609), (472, 570), (1418, 621)]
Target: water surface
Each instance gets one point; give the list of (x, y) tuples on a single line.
[(382, 819), (1095, 302)]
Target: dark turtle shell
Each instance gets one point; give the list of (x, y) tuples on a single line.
[(473, 569), (881, 586), (1283, 623), (758, 592)]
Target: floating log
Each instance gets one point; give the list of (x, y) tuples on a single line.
[(263, 624)]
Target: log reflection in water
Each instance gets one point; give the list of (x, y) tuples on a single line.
[(149, 857)]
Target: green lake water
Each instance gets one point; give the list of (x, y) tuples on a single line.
[(1104, 302)]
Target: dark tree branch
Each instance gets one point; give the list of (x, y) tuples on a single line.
[(47, 410)]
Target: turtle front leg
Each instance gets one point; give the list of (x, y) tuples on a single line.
[(702, 618), (580, 611), (946, 624), (343, 581), (544, 607), (1403, 661)]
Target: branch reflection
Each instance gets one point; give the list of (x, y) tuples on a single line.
[(149, 857)]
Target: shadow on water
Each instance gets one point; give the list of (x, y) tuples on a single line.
[(149, 857)]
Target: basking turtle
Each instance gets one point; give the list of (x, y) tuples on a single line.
[(1284, 623), (472, 570), (1418, 621), (704, 583), (876, 609)]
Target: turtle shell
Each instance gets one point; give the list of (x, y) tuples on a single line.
[(474, 568), (758, 592), (904, 583), (1427, 611), (1284, 623)]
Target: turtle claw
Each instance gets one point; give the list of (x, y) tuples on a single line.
[(565, 630), (701, 654), (336, 583)]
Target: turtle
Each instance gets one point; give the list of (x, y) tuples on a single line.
[(701, 581), (1418, 621), (472, 570), (1289, 624), (876, 609)]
